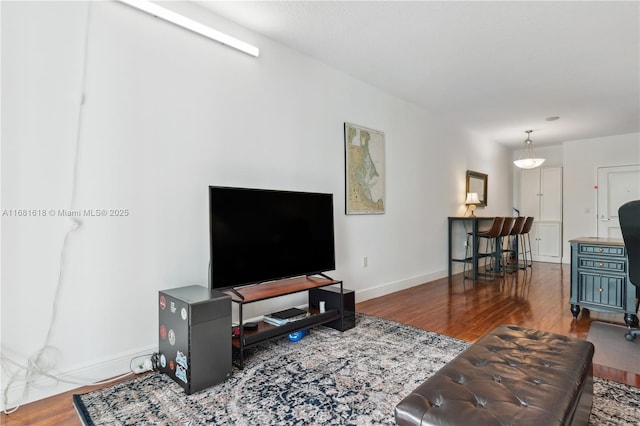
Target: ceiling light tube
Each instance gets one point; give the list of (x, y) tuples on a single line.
[(191, 25)]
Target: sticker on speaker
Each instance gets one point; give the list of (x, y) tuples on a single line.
[(163, 332), (181, 373), (183, 313), (163, 302), (163, 361), (172, 337), (181, 359)]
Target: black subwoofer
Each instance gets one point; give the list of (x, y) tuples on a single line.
[(195, 336)]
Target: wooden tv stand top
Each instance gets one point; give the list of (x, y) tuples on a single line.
[(271, 289)]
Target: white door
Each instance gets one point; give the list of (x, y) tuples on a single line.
[(530, 193), (541, 193), (616, 186), (548, 237), (551, 194)]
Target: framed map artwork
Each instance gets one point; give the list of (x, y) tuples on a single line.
[(364, 170)]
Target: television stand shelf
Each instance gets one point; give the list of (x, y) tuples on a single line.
[(268, 290)]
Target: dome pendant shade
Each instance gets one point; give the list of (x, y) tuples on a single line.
[(529, 163), (527, 158)]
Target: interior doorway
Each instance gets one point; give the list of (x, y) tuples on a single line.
[(616, 186)]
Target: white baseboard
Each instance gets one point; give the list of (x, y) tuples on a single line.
[(547, 259), (44, 387), (384, 289)]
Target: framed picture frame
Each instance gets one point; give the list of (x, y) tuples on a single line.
[(477, 182), (364, 170)]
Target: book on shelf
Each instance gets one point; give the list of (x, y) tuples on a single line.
[(289, 313), (274, 320)]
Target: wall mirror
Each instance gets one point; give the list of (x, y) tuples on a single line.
[(477, 182)]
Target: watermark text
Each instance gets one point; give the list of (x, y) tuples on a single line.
[(65, 213)]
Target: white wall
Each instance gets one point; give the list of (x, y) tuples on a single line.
[(581, 161), (167, 113)]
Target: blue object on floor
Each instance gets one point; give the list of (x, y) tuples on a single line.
[(297, 335)]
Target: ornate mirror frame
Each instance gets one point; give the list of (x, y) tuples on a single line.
[(477, 182)]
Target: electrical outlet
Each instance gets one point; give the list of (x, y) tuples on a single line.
[(365, 262), (144, 366)]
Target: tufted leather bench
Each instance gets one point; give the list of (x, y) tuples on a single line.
[(510, 376)]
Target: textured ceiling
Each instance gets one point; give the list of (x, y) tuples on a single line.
[(494, 68)]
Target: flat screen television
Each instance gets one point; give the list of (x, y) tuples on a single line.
[(259, 235)]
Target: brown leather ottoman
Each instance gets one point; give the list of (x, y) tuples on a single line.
[(510, 376)]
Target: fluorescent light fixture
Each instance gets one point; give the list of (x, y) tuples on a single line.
[(191, 25)]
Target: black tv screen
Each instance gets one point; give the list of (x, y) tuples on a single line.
[(260, 235)]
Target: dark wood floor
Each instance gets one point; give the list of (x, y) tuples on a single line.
[(453, 306), (537, 298)]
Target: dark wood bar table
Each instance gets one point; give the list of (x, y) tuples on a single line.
[(474, 251)]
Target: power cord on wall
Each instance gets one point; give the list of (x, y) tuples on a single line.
[(145, 363), (40, 364)]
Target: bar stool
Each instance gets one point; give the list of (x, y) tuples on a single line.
[(513, 243), (525, 241), (491, 234), (507, 226)]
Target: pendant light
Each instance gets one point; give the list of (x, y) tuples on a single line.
[(527, 158)]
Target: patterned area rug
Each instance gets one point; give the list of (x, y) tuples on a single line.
[(351, 378)]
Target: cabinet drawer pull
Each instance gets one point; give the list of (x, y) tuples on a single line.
[(600, 290), (601, 264), (601, 249)]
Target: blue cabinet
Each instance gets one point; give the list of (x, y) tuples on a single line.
[(599, 278)]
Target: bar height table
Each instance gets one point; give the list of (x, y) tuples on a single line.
[(474, 232)]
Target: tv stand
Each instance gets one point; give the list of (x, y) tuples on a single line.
[(268, 290)]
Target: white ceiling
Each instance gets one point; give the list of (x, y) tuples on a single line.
[(494, 68)]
